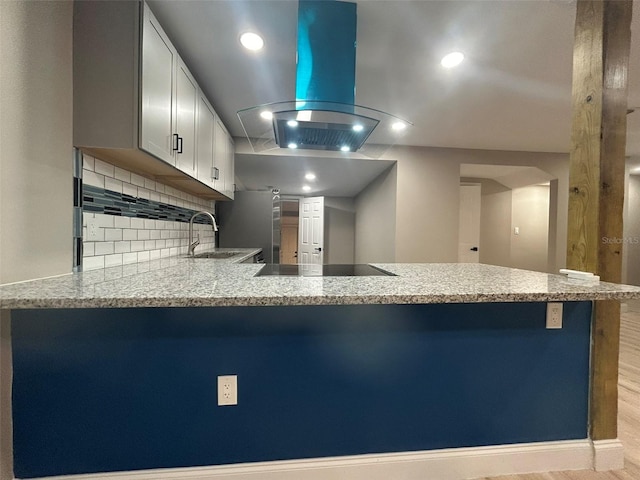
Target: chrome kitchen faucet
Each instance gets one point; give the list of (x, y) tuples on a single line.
[(193, 244)]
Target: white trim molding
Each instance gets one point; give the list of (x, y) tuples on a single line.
[(608, 455), (447, 464)]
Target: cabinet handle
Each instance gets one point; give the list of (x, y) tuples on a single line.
[(175, 142), (180, 144), (215, 173)]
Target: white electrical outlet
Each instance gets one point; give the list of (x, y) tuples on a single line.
[(92, 229), (228, 390), (554, 315)]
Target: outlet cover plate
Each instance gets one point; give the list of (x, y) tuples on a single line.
[(554, 315), (227, 390)]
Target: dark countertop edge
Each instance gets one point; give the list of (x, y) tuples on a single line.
[(67, 303)]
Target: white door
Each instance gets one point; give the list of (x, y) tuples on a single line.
[(469, 236), (158, 79), (311, 231), (186, 104)]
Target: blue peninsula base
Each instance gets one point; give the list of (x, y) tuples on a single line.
[(102, 390)]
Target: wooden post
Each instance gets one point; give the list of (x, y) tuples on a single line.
[(596, 183)]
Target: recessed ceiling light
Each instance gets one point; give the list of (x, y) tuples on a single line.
[(267, 115), (304, 116), (399, 126), (452, 59), (358, 128), (251, 41), (345, 148), (292, 123), (306, 188), (310, 176), (292, 145)]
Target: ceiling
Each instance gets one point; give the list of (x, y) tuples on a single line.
[(512, 92)]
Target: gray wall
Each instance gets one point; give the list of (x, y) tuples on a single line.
[(632, 231), (246, 222), (530, 212), (427, 206), (495, 223), (427, 199), (339, 229), (35, 161), (375, 232)]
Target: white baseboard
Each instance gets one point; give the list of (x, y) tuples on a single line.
[(608, 455), (447, 464)]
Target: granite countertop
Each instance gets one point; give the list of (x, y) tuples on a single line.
[(188, 282)]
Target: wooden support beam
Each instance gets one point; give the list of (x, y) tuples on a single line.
[(596, 183)]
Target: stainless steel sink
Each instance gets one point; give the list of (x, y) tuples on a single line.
[(216, 254)]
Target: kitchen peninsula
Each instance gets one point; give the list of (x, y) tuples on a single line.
[(115, 370)]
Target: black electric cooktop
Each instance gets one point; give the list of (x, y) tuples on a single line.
[(347, 270)]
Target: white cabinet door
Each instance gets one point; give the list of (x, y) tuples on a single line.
[(220, 155), (230, 181), (186, 104), (205, 139), (158, 80), (311, 231)]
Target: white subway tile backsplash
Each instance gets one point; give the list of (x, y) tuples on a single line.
[(88, 249), (92, 178), (143, 193), (137, 179), (113, 184), (113, 260), (123, 175), (129, 189), (122, 222), (124, 239), (111, 234), (104, 168), (105, 221), (131, 257), (122, 247), (137, 223), (104, 248), (129, 234), (91, 263), (149, 224), (88, 162)]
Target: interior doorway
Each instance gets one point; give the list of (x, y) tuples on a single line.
[(289, 226)]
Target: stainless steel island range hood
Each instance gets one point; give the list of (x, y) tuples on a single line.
[(323, 115)]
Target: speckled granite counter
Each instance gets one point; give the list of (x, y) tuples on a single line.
[(186, 282)]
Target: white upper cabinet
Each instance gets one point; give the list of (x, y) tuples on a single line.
[(205, 146), (220, 156), (159, 60), (230, 180), (185, 133), (137, 105)]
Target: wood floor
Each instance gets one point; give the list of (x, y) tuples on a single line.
[(628, 414)]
